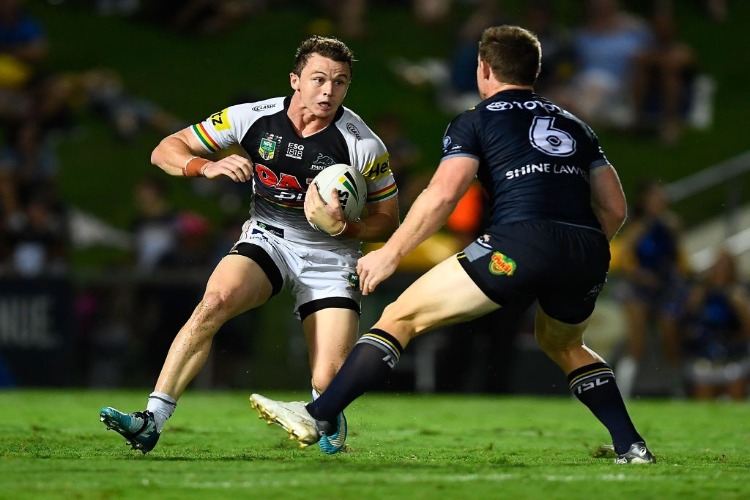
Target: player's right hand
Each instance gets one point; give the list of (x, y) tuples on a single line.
[(375, 267), (236, 167)]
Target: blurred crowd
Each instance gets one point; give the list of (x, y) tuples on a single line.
[(616, 68)]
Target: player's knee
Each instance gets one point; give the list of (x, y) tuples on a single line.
[(401, 317), (553, 346), (214, 306), (554, 341)]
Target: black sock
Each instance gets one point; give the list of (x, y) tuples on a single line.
[(594, 385), (367, 366)]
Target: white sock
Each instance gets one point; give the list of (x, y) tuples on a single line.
[(315, 394), (625, 373), (162, 405)]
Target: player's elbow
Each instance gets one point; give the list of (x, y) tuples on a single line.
[(612, 208), (443, 198), (619, 212), (157, 155)]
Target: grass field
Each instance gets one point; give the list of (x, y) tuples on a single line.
[(53, 446)]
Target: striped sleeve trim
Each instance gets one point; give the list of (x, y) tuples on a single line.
[(202, 134), (382, 194)]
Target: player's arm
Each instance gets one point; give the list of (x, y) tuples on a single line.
[(427, 214), (179, 154), (381, 221), (378, 222), (608, 199)]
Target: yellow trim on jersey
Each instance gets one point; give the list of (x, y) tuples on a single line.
[(220, 120)]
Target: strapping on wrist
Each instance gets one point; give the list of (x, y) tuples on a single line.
[(343, 229), (194, 166)]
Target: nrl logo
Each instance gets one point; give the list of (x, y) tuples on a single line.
[(268, 144)]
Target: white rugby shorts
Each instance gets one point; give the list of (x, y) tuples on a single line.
[(314, 275)]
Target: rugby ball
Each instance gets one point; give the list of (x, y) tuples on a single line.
[(350, 184)]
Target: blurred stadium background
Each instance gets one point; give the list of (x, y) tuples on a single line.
[(101, 320)]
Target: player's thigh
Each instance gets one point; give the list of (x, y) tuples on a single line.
[(445, 295), (238, 283), (330, 334)]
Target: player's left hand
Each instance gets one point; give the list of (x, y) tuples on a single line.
[(236, 167), (375, 267), (328, 217)]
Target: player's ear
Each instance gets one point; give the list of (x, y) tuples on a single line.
[(484, 69), (294, 81)]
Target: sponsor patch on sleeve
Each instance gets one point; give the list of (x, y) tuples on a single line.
[(378, 169), (220, 120)]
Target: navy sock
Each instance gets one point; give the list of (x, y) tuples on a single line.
[(594, 385), (367, 366)]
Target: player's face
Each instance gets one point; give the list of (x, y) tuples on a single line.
[(322, 85)]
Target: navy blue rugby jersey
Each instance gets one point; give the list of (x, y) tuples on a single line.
[(534, 157)]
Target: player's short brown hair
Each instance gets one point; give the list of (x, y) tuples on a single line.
[(328, 47), (513, 53)]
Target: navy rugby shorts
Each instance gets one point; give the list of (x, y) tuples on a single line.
[(562, 266)]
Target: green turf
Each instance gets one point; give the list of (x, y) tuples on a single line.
[(400, 446)]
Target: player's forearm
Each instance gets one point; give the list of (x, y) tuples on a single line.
[(611, 222), (608, 200), (172, 155), (427, 215), (374, 228)]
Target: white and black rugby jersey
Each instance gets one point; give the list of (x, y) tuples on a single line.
[(285, 163)]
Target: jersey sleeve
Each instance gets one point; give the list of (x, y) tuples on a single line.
[(598, 159), (381, 184), (371, 157), (461, 137), (228, 126)]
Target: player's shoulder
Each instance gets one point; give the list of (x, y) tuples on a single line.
[(258, 108), (469, 119), (354, 129), (354, 124)]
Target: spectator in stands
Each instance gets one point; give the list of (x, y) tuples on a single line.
[(431, 12), (717, 9), (40, 240), (405, 154), (194, 245), (605, 48), (540, 17), (33, 104), (103, 91), (155, 227), (714, 322), (654, 268), (200, 17), (453, 78), (23, 50), (663, 78)]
